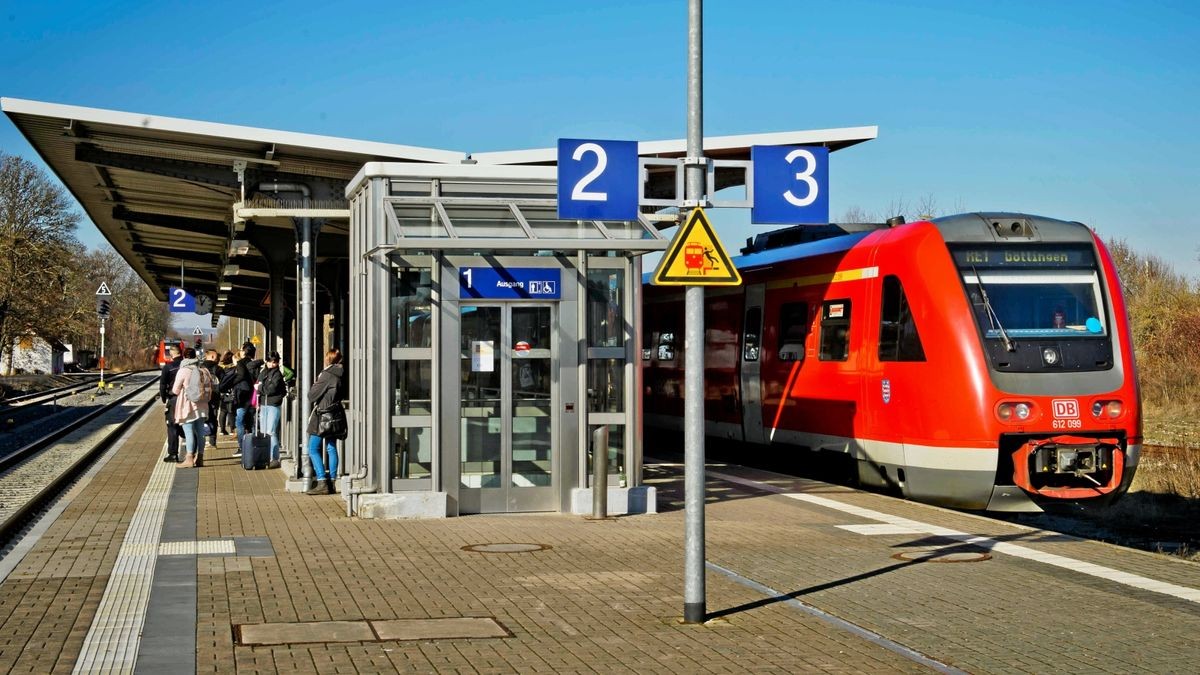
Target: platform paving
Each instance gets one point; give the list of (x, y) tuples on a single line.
[(802, 578)]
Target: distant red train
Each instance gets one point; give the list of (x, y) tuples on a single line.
[(161, 357), (980, 361)]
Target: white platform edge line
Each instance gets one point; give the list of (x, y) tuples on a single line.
[(1015, 550), (1098, 571)]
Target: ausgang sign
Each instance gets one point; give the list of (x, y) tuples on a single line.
[(510, 283)]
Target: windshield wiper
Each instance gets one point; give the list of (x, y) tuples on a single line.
[(992, 317)]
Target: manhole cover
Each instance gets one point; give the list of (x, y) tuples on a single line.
[(505, 548), (942, 556)]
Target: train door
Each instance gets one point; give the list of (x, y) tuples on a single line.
[(751, 365)]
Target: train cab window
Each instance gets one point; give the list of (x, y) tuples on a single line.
[(793, 330), (898, 338), (835, 330), (750, 334)]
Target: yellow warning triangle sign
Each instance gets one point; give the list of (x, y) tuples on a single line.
[(696, 257)]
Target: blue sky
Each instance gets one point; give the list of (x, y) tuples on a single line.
[(1078, 110)]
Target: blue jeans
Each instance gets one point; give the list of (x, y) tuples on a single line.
[(270, 424), (314, 453), (193, 434), (239, 417)]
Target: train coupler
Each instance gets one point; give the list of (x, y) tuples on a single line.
[(1069, 467)]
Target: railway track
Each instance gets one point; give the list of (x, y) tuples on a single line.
[(33, 475)]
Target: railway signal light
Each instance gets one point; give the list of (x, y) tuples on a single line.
[(103, 307)]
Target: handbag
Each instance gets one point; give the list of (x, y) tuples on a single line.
[(331, 422)]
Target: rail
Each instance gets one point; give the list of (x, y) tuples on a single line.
[(43, 493)]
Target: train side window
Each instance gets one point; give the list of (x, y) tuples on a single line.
[(835, 330), (793, 330), (898, 338), (750, 334), (666, 347)]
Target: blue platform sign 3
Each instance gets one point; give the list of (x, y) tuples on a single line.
[(791, 184), (510, 283), (597, 180), (180, 300)]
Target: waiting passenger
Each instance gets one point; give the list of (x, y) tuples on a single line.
[(271, 391), (228, 396), (193, 390), (165, 384), (326, 399)]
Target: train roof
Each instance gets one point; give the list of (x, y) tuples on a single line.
[(1004, 227), (996, 227), (834, 241)]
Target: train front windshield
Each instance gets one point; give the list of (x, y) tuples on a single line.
[(1036, 303)]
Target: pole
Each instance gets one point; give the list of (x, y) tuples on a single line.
[(600, 473), (101, 354), (693, 342), (306, 374)]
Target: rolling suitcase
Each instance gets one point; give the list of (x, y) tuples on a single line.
[(256, 448)]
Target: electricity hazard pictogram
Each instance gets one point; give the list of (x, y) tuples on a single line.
[(696, 257)]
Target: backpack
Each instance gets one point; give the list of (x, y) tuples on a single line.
[(199, 385), (227, 378)]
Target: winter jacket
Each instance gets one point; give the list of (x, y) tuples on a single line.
[(215, 370), (271, 388), (326, 391), (243, 383), (186, 410), (167, 379)]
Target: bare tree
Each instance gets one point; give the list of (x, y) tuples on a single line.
[(137, 320), (37, 247), (857, 214)]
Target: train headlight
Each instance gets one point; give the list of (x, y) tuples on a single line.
[(1110, 409), (1050, 356), (1014, 412)]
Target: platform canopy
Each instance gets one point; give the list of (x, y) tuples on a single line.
[(163, 190), (169, 192)]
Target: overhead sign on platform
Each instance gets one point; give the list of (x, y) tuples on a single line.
[(597, 180), (510, 283), (791, 184), (696, 257), (180, 300)]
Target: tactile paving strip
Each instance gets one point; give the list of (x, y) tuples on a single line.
[(112, 641)]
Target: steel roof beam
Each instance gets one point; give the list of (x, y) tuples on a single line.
[(159, 166), (204, 226)]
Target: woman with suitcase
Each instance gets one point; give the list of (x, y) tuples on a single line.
[(271, 390)]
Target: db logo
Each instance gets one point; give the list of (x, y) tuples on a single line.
[(1065, 408)]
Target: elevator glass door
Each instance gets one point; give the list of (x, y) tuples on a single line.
[(507, 433)]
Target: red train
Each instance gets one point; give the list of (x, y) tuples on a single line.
[(161, 356), (980, 361)]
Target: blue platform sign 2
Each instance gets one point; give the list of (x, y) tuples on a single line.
[(791, 184), (180, 300), (510, 283), (597, 180)]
